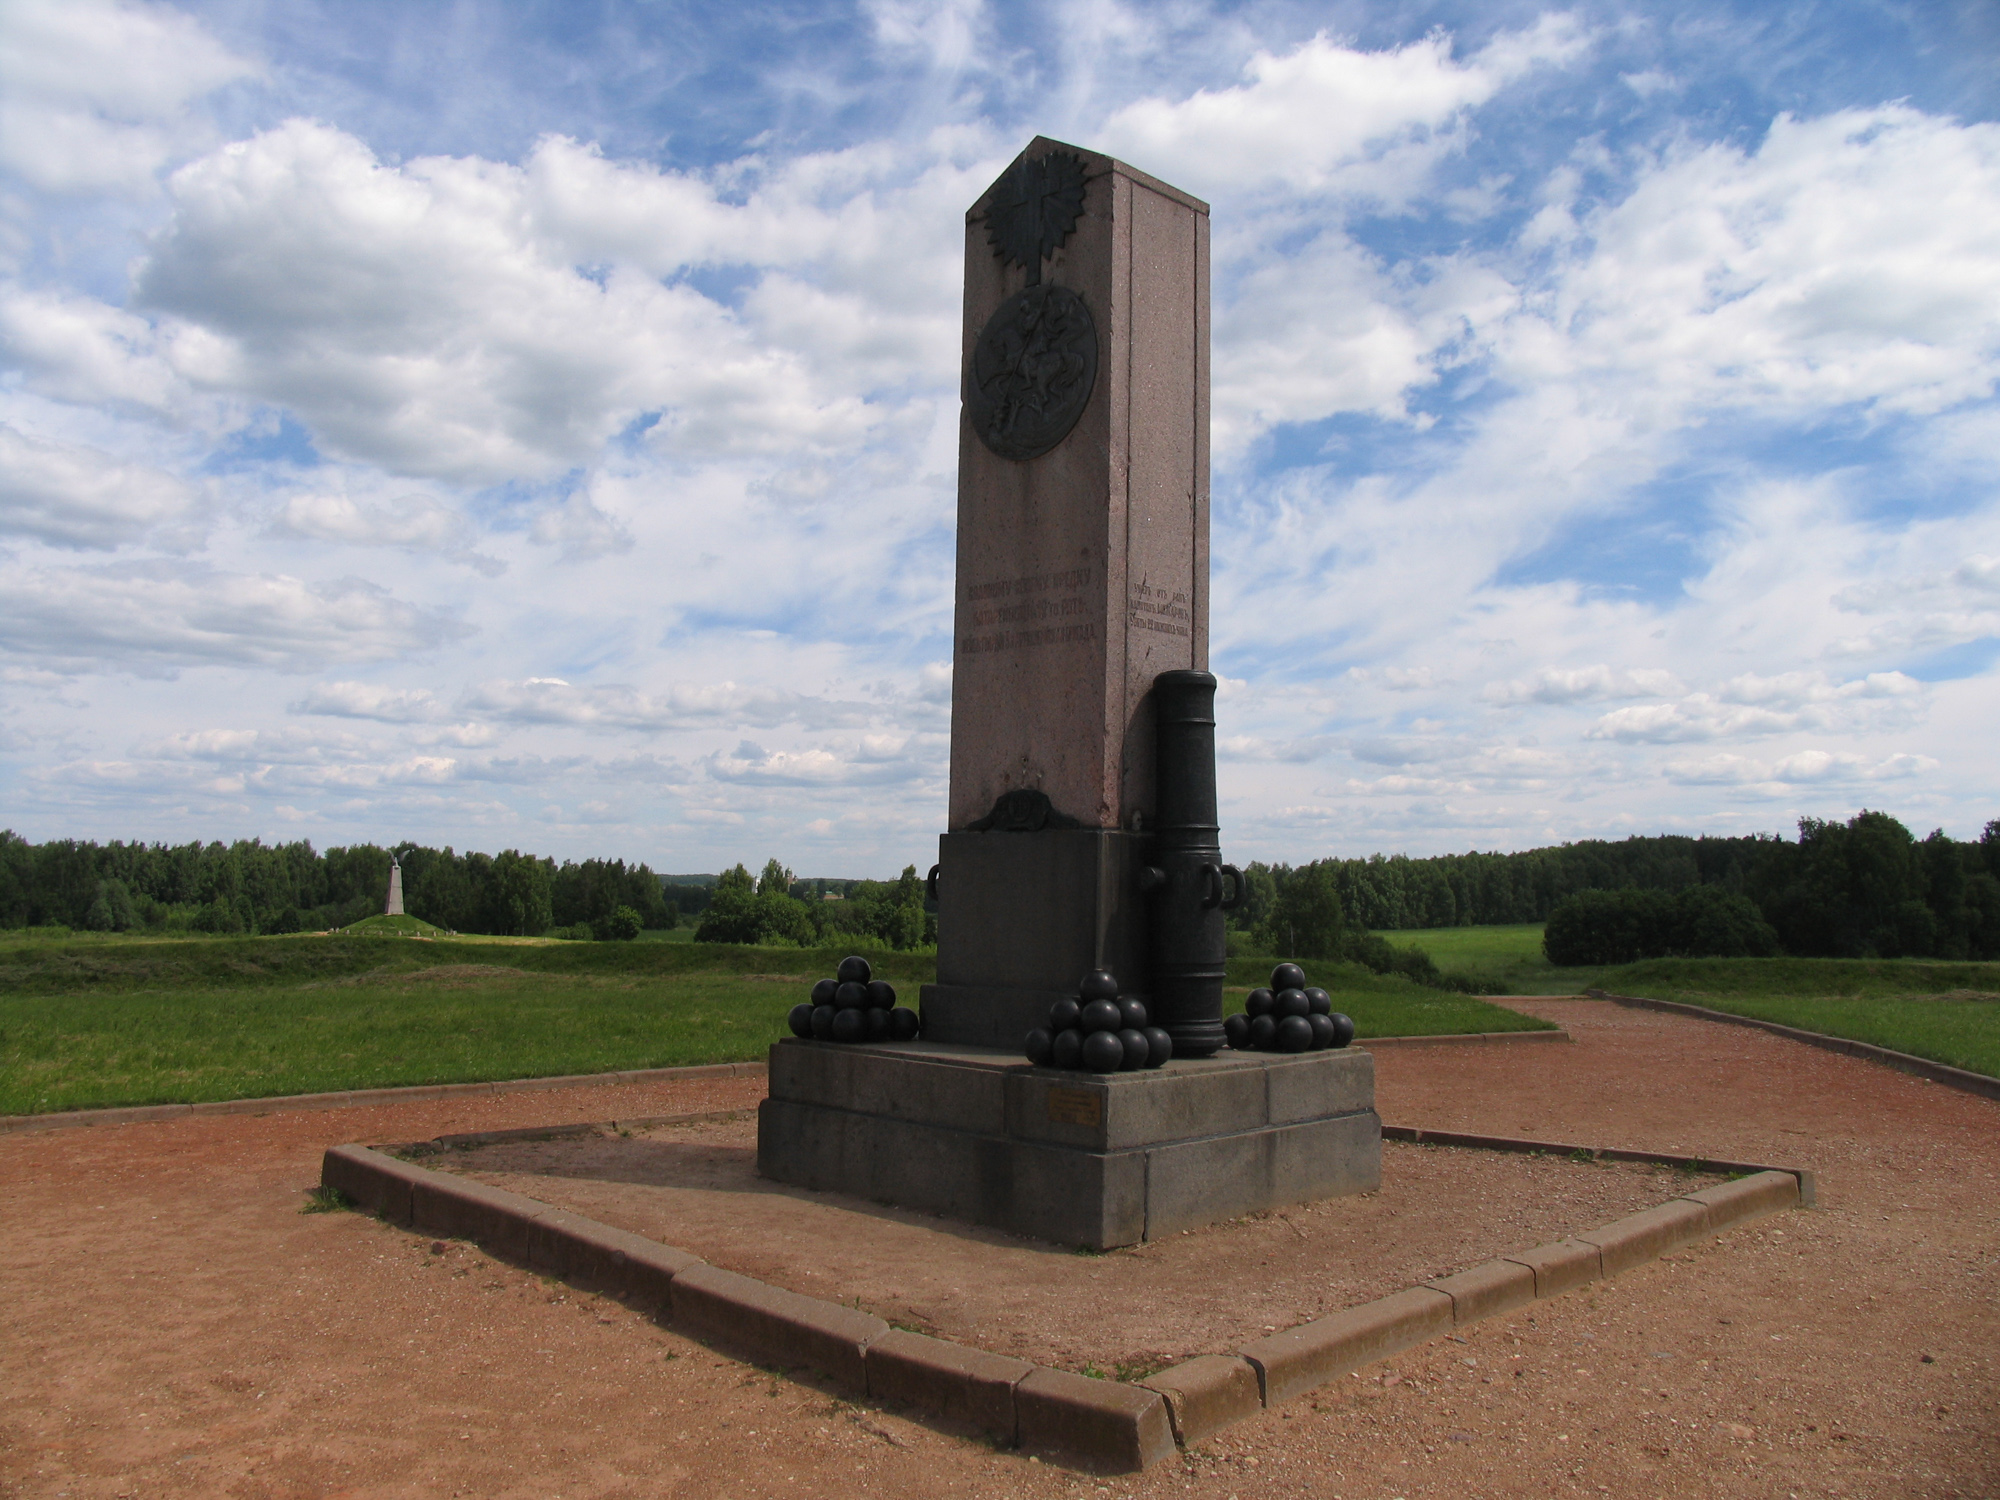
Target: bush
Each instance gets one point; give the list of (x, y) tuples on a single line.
[(1622, 927), (622, 926)]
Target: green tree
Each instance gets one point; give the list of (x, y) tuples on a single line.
[(1306, 920), (518, 900), (732, 915)]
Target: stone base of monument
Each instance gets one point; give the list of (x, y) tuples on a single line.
[(1077, 1158)]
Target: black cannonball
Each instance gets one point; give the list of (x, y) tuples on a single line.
[(1343, 1029), (903, 1024), (1137, 1049), (878, 1024), (800, 1020), (1320, 1000), (1097, 985), (1067, 1050), (1103, 1052), (1295, 1034), (881, 995), (850, 996), (1263, 1033), (1290, 1003), (822, 1021), (1258, 1004), (1102, 1015), (1324, 1031), (1040, 1047), (1159, 1046), (1288, 977), (854, 970), (823, 991), (850, 1025), (1237, 1029), (1134, 1011), (1064, 1014)]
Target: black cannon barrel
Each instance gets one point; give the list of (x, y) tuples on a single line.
[(1190, 885)]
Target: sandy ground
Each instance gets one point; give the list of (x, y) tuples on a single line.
[(170, 1324), (1131, 1310)]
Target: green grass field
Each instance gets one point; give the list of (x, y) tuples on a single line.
[(1509, 956), (104, 1021)]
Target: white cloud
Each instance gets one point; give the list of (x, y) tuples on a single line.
[(476, 321), (1752, 705), (1848, 259), (1580, 684), (150, 617), (95, 94), (548, 700), (76, 348), (364, 700), (752, 764), (582, 531), (1804, 768), (416, 523), (1323, 115), (78, 497)]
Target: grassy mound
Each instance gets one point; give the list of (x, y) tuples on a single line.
[(387, 926)]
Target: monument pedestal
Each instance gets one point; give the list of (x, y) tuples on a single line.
[(1078, 1158), (1022, 917)]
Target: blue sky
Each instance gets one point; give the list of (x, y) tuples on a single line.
[(514, 425)]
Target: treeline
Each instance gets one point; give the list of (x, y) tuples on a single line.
[(1392, 892), (777, 909), (253, 887), (1864, 888)]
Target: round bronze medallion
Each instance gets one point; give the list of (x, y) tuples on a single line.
[(1032, 371)]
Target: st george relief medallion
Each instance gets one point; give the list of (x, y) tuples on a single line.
[(1035, 362)]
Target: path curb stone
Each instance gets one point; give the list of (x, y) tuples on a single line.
[(1294, 1360), (1485, 1290), (1103, 1426), (948, 1380), (1114, 1428), (1208, 1393)]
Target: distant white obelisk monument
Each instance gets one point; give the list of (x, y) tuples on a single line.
[(394, 907)]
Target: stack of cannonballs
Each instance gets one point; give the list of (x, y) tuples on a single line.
[(853, 1006), (1290, 1016), (1099, 1031)]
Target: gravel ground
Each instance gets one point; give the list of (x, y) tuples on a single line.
[(174, 1326)]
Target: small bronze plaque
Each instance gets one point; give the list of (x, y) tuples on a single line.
[(1075, 1107)]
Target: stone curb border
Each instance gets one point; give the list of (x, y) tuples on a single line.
[(138, 1114), (1923, 1067), (351, 1098), (1101, 1426), (1808, 1187)]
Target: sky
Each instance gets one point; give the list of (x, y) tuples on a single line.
[(535, 425)]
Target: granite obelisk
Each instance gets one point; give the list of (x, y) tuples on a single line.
[(1082, 576), (1082, 608)]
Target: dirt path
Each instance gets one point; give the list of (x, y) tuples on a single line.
[(171, 1325)]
